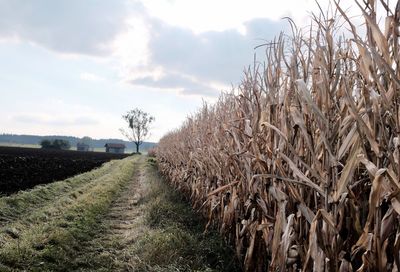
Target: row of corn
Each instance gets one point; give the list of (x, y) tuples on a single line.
[(299, 166)]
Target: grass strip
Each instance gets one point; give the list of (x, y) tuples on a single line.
[(175, 240)]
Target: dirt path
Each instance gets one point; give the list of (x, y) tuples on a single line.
[(126, 214), (111, 250), (150, 228)]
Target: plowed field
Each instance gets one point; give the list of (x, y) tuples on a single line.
[(24, 168)]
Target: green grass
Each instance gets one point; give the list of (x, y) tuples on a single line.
[(175, 240), (45, 229)]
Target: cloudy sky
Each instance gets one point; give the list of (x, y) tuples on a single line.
[(73, 67)]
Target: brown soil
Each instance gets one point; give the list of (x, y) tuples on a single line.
[(24, 168)]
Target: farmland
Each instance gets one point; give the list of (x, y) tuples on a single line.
[(23, 168), (296, 169)]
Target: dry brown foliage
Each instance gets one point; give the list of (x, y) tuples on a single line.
[(300, 168)]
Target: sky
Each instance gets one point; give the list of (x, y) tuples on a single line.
[(73, 67)]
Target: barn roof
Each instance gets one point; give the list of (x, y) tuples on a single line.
[(114, 145)]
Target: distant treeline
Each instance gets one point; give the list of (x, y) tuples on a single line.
[(94, 143)]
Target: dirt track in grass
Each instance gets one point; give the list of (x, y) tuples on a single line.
[(150, 227), (121, 227), (121, 217), (110, 249), (126, 214)]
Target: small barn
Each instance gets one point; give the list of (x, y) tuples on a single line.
[(82, 147), (115, 148)]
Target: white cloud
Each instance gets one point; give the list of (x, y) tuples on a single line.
[(130, 47), (57, 117), (210, 15), (189, 46), (193, 63), (91, 77), (57, 112), (51, 120), (73, 26)]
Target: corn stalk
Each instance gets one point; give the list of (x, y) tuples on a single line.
[(299, 168)]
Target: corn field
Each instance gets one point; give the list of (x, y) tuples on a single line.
[(299, 167)]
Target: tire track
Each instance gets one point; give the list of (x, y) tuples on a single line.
[(122, 226)]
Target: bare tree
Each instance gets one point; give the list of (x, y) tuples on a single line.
[(138, 126)]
